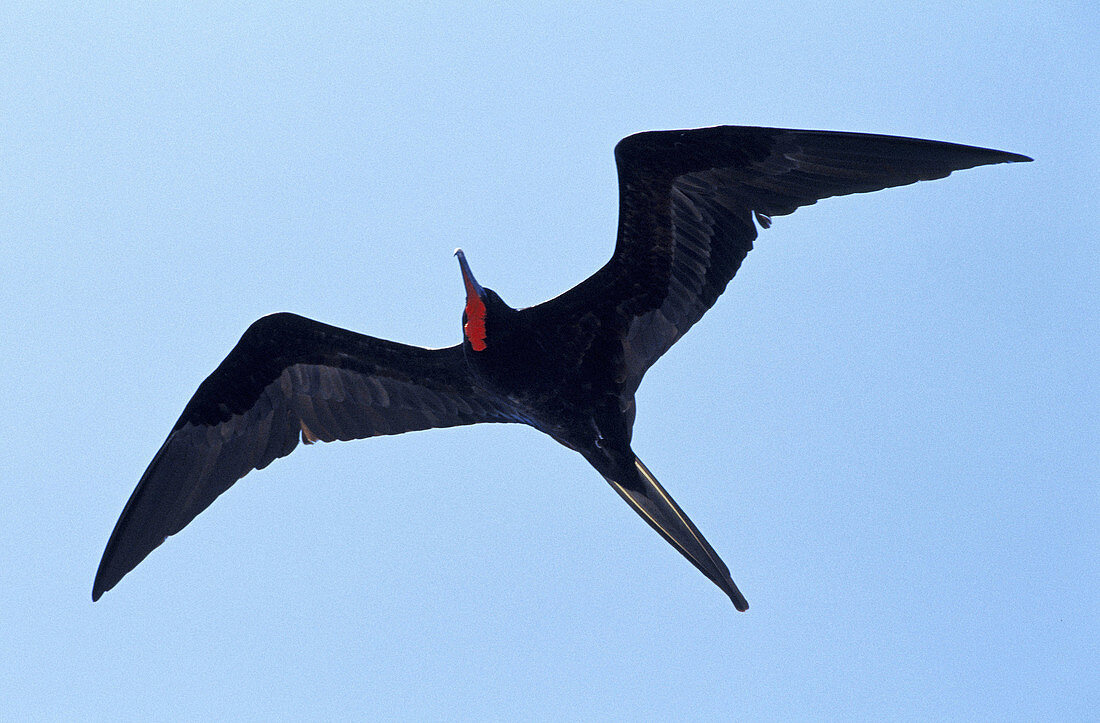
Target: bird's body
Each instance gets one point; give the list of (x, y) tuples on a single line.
[(568, 367)]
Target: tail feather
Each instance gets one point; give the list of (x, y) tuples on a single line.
[(650, 500)]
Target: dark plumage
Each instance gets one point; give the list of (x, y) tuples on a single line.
[(689, 205)]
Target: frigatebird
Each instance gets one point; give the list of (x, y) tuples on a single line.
[(689, 205)]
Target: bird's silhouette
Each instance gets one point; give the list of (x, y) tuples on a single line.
[(690, 202)]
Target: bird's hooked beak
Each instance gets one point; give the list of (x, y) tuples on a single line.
[(473, 289)]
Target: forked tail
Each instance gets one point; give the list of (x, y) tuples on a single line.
[(645, 494)]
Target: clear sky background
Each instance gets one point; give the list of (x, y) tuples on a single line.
[(887, 426)]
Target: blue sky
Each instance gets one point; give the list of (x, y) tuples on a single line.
[(887, 426)]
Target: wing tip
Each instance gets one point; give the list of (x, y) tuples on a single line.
[(100, 586), (101, 583), (105, 577), (992, 155)]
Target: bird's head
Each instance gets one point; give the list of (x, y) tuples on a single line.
[(482, 305)]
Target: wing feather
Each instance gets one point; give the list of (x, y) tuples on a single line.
[(689, 205), (289, 378)]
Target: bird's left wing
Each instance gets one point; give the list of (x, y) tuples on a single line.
[(288, 378), (689, 205)]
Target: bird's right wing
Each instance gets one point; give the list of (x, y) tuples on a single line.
[(288, 378)]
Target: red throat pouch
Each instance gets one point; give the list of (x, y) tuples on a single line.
[(474, 328)]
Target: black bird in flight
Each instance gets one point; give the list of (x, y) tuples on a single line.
[(569, 367)]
